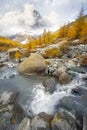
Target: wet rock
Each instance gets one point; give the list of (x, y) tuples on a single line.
[(11, 112), (62, 75), (63, 121), (75, 105), (2, 65), (78, 69), (24, 125), (59, 71), (18, 114), (50, 85), (41, 121), (14, 97), (65, 78), (6, 117), (85, 78), (7, 126), (33, 65), (12, 76), (79, 91), (51, 70), (9, 97), (5, 121)]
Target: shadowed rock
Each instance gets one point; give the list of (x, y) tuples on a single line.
[(50, 85)]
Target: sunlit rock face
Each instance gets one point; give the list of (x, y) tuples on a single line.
[(35, 64)]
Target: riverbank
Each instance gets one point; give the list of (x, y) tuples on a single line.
[(50, 96), (48, 110)]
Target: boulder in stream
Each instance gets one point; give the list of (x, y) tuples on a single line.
[(34, 64), (63, 121), (41, 121), (49, 84), (65, 78), (59, 71)]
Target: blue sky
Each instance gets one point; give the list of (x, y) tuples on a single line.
[(54, 13)]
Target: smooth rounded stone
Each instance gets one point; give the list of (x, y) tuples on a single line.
[(41, 121), (49, 84), (34, 64), (64, 121), (59, 71), (24, 125), (65, 78)]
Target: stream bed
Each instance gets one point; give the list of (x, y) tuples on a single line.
[(32, 94)]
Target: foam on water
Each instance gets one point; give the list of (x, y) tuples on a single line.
[(45, 102)]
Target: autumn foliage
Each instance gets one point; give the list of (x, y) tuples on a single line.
[(71, 31), (51, 53), (6, 43)]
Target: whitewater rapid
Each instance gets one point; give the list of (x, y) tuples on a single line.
[(32, 93), (46, 102)]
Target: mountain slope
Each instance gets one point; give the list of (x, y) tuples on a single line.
[(22, 38), (6, 43)]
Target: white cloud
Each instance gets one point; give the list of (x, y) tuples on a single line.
[(21, 17), (16, 21)]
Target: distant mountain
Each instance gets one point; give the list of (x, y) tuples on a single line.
[(22, 38), (39, 21)]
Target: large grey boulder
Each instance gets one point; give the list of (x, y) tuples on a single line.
[(41, 121), (33, 64), (49, 84), (77, 105), (63, 121)]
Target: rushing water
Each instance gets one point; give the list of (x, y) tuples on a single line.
[(45, 102), (23, 84), (32, 94)]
